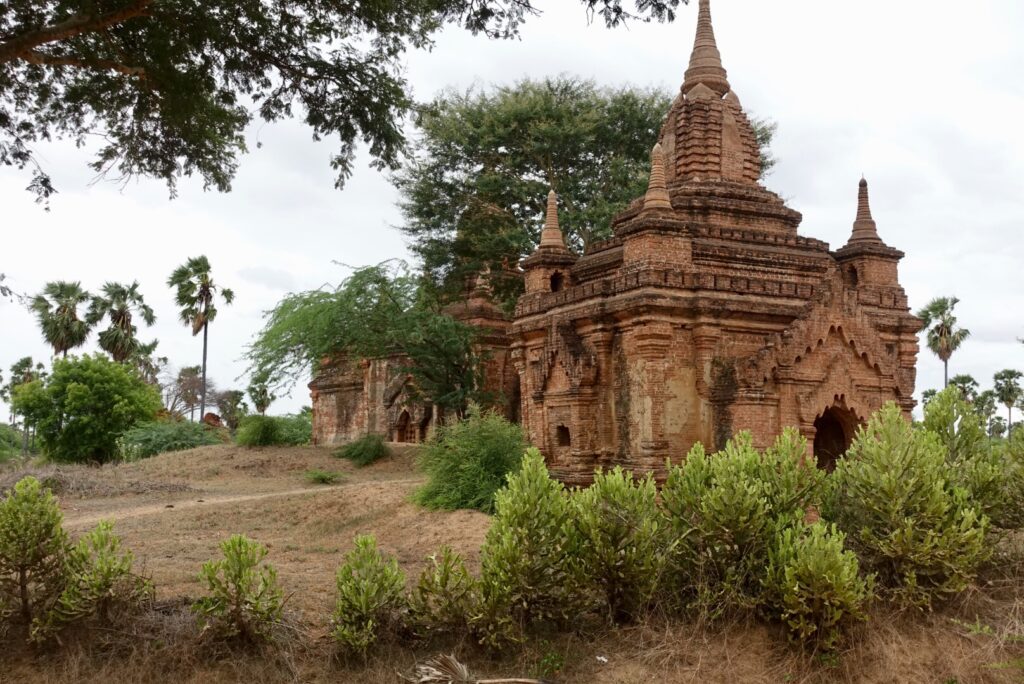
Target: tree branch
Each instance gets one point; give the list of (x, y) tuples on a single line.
[(34, 57), (20, 46)]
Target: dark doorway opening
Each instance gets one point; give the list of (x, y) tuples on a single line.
[(557, 281), (563, 436), (832, 431), (402, 432)]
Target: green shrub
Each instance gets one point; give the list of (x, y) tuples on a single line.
[(33, 549), (992, 478), (370, 596), (618, 524), (257, 431), (98, 577), (895, 497), (10, 442), (467, 462), (244, 599), (723, 512), (85, 404), (365, 450), (528, 574), (150, 439), (444, 597), (813, 584), (326, 477)]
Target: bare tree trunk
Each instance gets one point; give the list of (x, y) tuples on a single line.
[(202, 389), (24, 436), (945, 373)]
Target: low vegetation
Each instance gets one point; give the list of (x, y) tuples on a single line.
[(259, 431), (467, 461), (365, 450), (243, 599), (324, 477), (150, 439)]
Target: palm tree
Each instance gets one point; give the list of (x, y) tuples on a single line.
[(967, 385), (261, 396), (1008, 391), (196, 294), (985, 405), (56, 309), (119, 303), (940, 328)]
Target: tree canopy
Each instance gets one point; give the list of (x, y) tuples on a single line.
[(474, 188), (378, 311), (169, 86)]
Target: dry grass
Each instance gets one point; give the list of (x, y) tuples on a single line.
[(174, 509)]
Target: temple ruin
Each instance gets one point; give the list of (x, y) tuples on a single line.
[(705, 314)]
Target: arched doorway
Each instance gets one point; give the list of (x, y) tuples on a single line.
[(402, 432), (833, 432)]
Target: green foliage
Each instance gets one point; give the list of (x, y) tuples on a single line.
[(232, 408), (261, 396), (10, 442), (813, 583), (118, 303), (255, 431), (941, 332), (150, 439), (619, 524), (529, 572), (98, 578), (444, 597), (365, 450), (467, 461), (475, 186), (82, 408), (370, 596), (377, 312), (33, 548), (244, 599), (895, 497), (326, 477), (56, 310), (725, 510)]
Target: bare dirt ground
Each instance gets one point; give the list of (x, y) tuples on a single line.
[(173, 511)]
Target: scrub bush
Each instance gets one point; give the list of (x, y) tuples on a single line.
[(370, 597), (466, 462), (365, 450), (244, 599), (444, 596), (150, 439)]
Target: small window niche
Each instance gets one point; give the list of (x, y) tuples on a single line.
[(852, 277), (557, 281), (562, 436)]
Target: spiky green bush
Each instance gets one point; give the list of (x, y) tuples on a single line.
[(813, 584), (244, 600), (259, 431), (370, 596), (529, 573), (324, 477), (444, 596), (724, 511), (896, 498), (618, 524), (33, 550), (150, 439), (466, 462), (98, 578), (365, 450)]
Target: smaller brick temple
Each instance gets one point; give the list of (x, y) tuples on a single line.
[(706, 313)]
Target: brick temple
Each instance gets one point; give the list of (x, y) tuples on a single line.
[(705, 314)]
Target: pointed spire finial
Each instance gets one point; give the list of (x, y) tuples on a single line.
[(657, 192), (705, 60), (551, 236), (864, 228)]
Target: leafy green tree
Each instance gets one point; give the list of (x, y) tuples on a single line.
[(56, 309), (997, 427), (84, 406), (171, 85), (23, 371), (119, 304), (378, 311), (1008, 391), (474, 190), (941, 333), (261, 396), (232, 407), (927, 396), (195, 294), (967, 385), (985, 405)]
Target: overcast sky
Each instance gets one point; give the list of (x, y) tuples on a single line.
[(924, 97)]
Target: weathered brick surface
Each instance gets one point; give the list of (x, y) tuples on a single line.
[(705, 314)]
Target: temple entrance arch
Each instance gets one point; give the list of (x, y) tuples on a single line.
[(402, 431), (833, 432)]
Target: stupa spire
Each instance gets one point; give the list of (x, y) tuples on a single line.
[(864, 228), (705, 60), (551, 236), (657, 192)]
